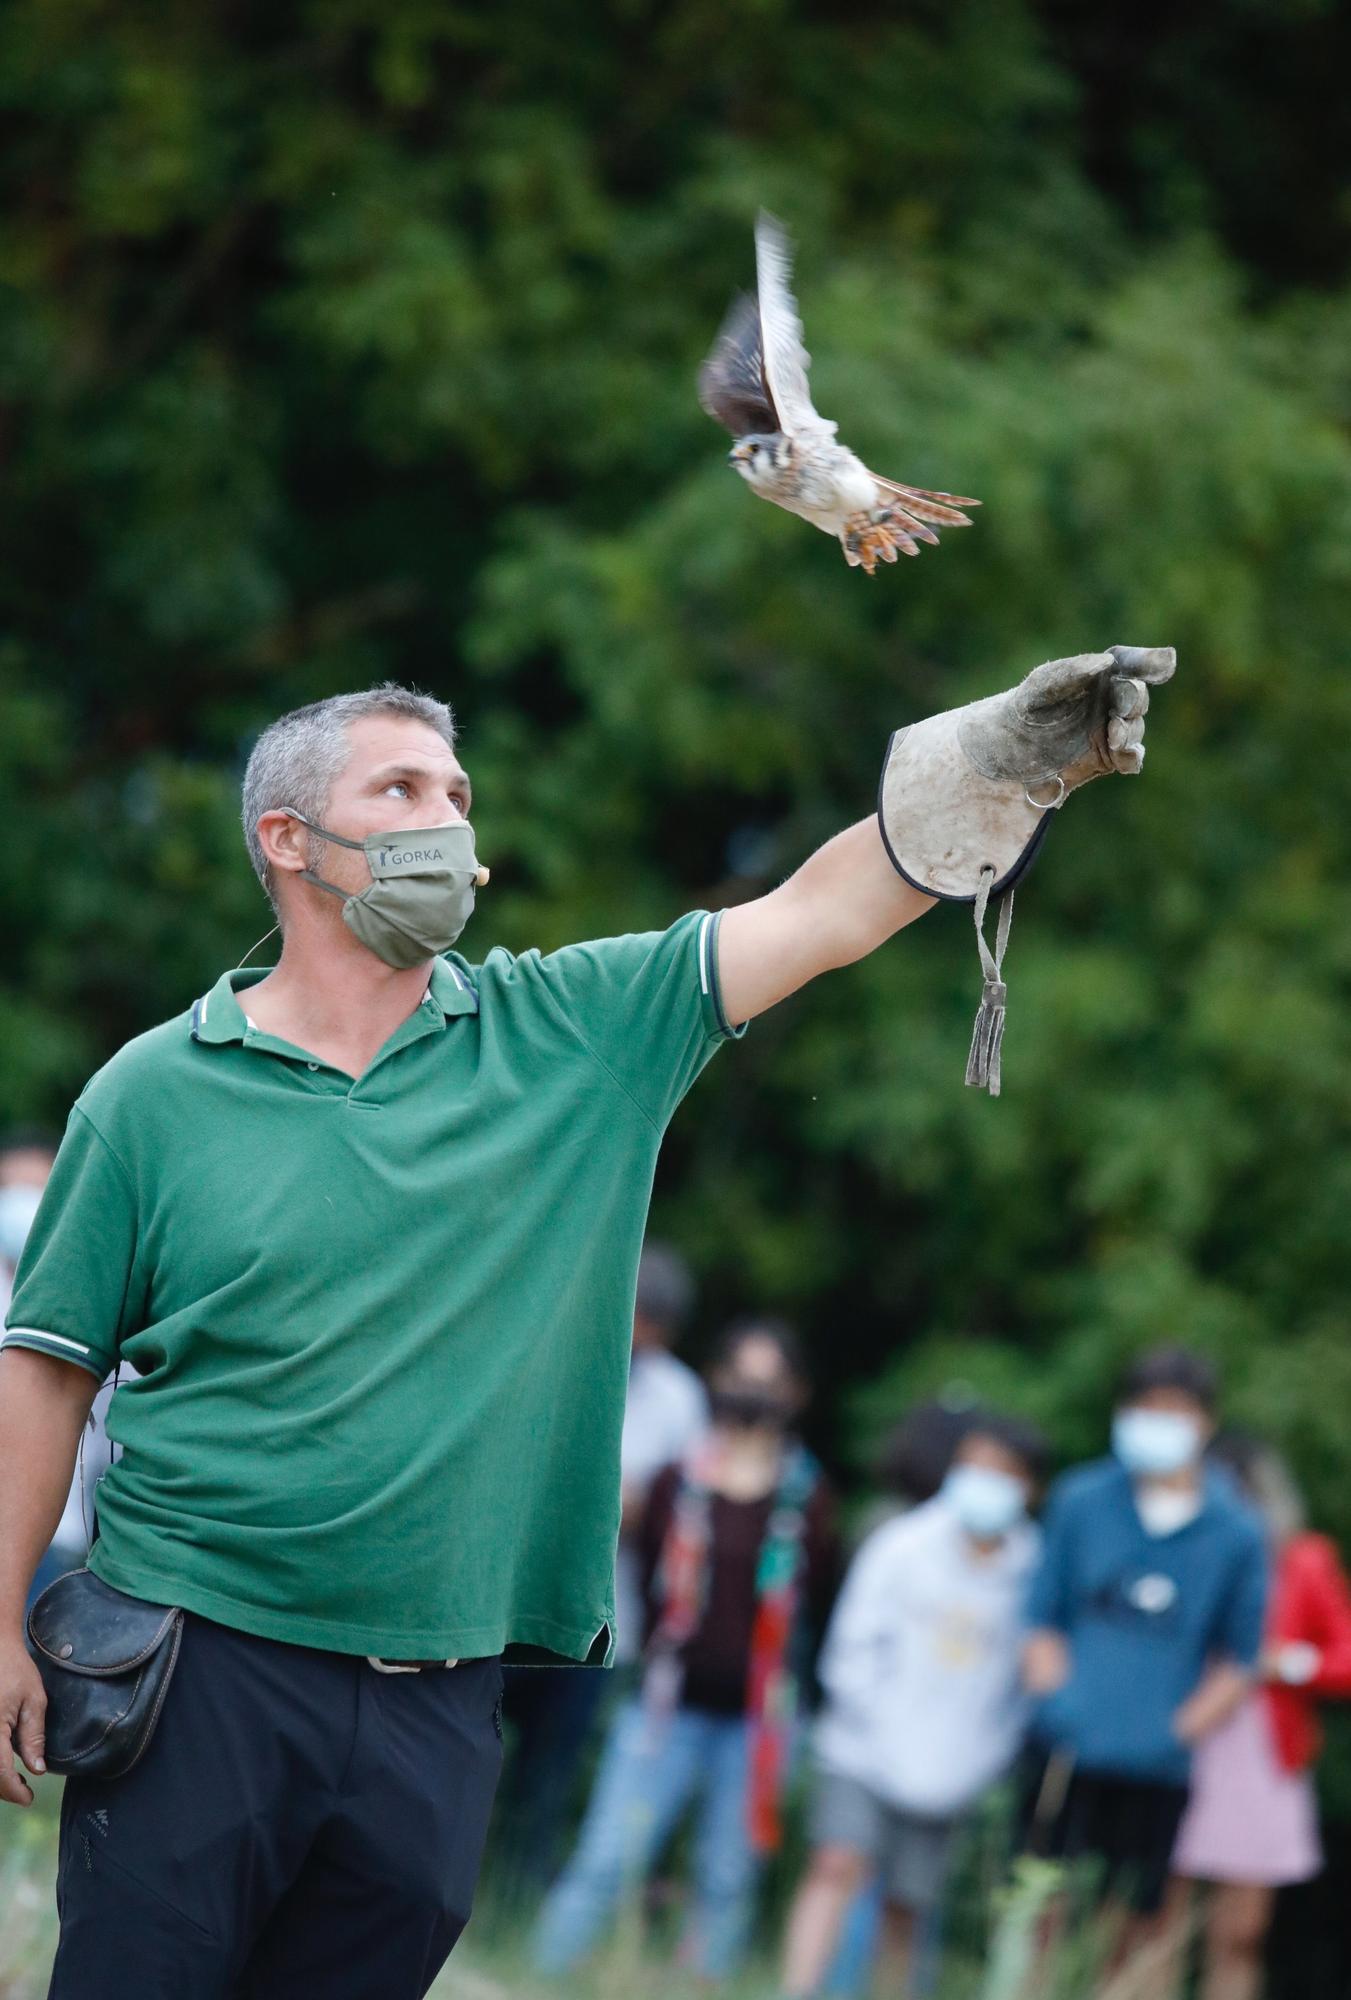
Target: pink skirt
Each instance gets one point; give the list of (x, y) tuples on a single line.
[(1247, 1820)]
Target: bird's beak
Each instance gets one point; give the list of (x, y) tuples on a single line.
[(738, 454)]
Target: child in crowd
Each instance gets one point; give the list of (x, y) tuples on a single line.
[(738, 1561), (923, 1703)]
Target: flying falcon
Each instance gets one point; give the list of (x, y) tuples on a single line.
[(755, 383)]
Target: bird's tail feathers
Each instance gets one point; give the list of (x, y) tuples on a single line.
[(944, 509)]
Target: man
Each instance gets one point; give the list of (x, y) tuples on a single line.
[(368, 1225), (923, 1706), (1147, 1625)]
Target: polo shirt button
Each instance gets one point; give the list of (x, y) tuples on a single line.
[(311, 1065)]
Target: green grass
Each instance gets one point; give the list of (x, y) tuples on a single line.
[(27, 1904)]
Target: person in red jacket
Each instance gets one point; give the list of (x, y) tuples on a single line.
[(1251, 1825)]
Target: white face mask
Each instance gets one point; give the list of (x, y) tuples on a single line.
[(986, 1502), (1151, 1444), (18, 1206)]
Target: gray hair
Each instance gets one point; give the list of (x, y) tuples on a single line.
[(297, 757)]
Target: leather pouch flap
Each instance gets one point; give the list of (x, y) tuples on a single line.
[(84, 1627)]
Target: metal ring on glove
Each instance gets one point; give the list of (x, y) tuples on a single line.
[(1052, 804)]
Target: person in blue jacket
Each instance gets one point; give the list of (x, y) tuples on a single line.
[(1146, 1625)]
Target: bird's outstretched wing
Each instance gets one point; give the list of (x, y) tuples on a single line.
[(785, 360), (732, 386)]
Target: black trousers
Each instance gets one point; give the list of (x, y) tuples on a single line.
[(299, 1825), (1126, 1825)]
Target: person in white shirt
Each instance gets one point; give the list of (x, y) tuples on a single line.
[(923, 1708)]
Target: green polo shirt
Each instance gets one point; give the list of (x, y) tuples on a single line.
[(382, 1327)]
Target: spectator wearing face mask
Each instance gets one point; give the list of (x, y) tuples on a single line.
[(924, 1707), (738, 1559), (1147, 1612)]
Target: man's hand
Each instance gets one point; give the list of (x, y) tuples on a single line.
[(23, 1709)]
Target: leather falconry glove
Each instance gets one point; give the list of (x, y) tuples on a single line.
[(967, 796)]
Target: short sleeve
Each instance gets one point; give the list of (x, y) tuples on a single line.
[(1048, 1596), (648, 1007), (73, 1287)]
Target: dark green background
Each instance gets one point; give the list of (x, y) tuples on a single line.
[(357, 339)]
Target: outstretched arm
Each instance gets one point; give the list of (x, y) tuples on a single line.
[(840, 905)]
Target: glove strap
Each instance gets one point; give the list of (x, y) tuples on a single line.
[(987, 1039)]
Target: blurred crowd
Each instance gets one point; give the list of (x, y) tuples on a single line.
[(1128, 1660), (1120, 1669)]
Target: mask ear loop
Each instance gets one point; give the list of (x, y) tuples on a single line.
[(338, 839), (306, 876)]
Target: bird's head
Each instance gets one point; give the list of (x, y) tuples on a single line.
[(761, 459)]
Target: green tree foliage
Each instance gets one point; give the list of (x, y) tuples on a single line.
[(346, 340)]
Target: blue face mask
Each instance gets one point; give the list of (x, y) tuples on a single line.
[(1153, 1443), (986, 1502)]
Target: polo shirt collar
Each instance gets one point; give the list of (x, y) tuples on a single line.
[(451, 988), (219, 1017)]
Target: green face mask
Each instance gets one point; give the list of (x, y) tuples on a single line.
[(421, 894)]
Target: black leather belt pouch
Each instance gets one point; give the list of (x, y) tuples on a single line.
[(106, 1661)]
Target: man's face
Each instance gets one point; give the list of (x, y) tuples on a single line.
[(399, 773)]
